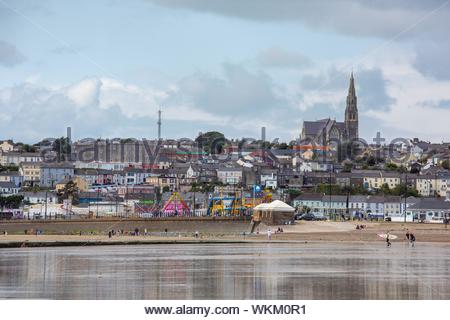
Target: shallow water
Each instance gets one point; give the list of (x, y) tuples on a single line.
[(228, 271)]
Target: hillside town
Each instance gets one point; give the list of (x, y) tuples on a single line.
[(61, 179), (329, 172)]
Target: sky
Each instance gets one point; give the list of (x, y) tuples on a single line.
[(105, 67)]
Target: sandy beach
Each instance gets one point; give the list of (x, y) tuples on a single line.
[(300, 232)]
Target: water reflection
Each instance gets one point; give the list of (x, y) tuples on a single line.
[(244, 271)]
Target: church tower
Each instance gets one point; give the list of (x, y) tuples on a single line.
[(351, 112)]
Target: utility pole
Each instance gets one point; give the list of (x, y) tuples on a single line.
[(115, 196), (159, 124), (406, 194), (45, 214), (194, 204), (329, 191), (98, 196), (254, 195), (435, 185)]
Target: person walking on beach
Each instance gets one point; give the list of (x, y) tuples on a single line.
[(412, 239), (407, 234), (388, 240), (269, 234)]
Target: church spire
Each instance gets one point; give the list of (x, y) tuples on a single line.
[(351, 111), (351, 88)]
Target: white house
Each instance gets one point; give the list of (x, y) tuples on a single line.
[(5, 146), (39, 197), (8, 188), (229, 175)]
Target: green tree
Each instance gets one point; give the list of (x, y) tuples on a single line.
[(305, 209), (371, 161), (391, 166), (283, 146), (62, 147), (211, 142), (70, 192), (400, 189), (325, 188), (347, 166), (358, 190), (11, 202), (293, 193), (28, 148), (445, 164), (385, 189), (11, 167)]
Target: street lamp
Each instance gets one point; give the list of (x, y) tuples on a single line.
[(406, 194), (329, 191)]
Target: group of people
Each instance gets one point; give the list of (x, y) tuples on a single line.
[(410, 237), (269, 232)]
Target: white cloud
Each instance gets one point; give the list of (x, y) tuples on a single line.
[(132, 99), (85, 93), (417, 103), (108, 107)]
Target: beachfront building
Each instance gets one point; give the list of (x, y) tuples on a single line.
[(310, 201), (394, 209), (393, 206), (357, 205), (334, 206), (375, 207), (431, 210)]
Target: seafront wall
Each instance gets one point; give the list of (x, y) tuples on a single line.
[(218, 225)]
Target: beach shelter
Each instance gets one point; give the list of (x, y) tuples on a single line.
[(275, 213), (258, 211)]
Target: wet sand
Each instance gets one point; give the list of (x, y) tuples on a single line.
[(319, 270)]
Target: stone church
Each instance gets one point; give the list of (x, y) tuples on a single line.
[(323, 130)]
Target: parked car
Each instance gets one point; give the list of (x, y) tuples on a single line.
[(309, 217)]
